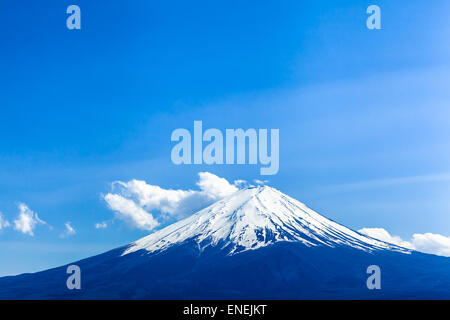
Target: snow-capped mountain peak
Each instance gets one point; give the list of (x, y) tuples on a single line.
[(253, 218)]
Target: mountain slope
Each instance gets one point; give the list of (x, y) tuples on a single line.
[(256, 243), (256, 217)]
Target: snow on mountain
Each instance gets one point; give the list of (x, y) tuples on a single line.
[(257, 217)]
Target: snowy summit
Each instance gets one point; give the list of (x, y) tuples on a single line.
[(253, 218)]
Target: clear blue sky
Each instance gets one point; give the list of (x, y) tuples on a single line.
[(364, 115)]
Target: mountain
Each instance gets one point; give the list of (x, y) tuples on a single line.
[(257, 243), (254, 218)]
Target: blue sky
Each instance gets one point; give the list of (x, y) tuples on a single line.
[(364, 115)]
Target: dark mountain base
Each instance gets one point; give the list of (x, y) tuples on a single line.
[(280, 271)]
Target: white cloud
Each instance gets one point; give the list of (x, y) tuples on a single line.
[(379, 183), (135, 200), (3, 222), (427, 242), (383, 235), (260, 182), (101, 225), (69, 231), (432, 243), (215, 187), (129, 211), (27, 220), (240, 182)]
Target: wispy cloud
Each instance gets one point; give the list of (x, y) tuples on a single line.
[(127, 210), (69, 230), (260, 182), (27, 220), (427, 242), (101, 225), (240, 183), (3, 222)]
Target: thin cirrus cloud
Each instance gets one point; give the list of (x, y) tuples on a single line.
[(27, 220), (3, 222), (68, 230), (260, 182), (377, 183), (427, 242), (137, 201)]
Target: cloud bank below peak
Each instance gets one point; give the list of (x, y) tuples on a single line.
[(144, 206)]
